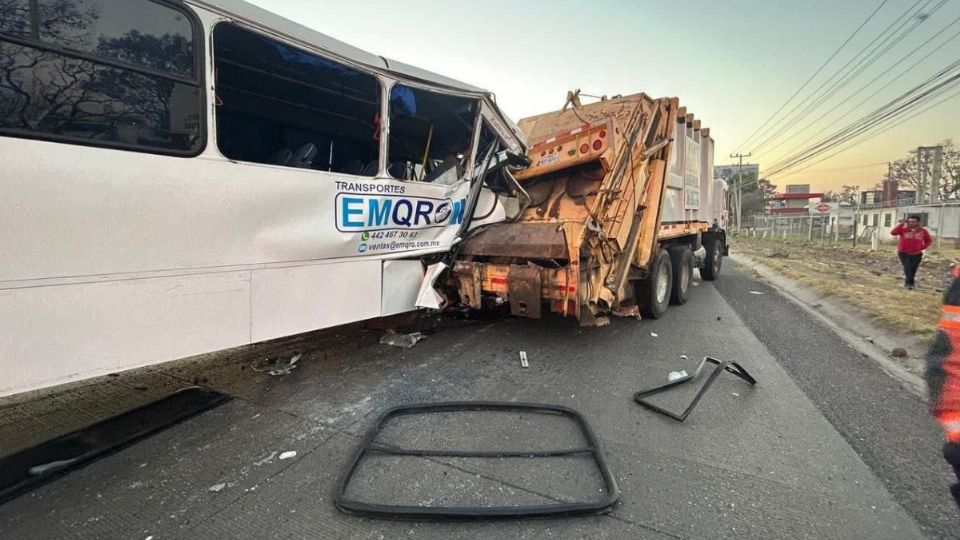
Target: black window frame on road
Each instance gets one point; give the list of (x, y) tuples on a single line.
[(198, 141)]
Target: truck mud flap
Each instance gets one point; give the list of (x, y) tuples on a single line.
[(370, 446), (523, 286), (721, 366)]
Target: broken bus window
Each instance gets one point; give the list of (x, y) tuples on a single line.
[(430, 134)]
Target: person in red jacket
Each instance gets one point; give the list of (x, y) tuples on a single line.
[(943, 377), (913, 240)]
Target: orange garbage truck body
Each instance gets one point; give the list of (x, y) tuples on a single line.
[(620, 208)]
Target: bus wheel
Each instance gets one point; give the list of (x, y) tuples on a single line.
[(653, 293), (712, 262), (681, 258)]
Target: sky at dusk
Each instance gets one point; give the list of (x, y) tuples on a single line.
[(732, 63)]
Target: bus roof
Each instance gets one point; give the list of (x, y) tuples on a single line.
[(276, 23)]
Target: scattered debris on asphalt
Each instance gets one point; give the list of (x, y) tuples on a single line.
[(274, 366), (405, 341), (630, 311), (216, 488), (654, 334), (899, 352), (523, 359), (288, 455), (678, 378), (757, 292), (870, 339), (683, 356), (268, 459)]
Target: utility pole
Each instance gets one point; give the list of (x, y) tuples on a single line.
[(740, 183), (937, 171), (929, 192)]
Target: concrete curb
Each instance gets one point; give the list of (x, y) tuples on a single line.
[(851, 329)]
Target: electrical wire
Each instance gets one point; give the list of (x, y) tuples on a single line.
[(878, 113), (880, 132), (864, 87), (910, 100), (815, 73), (874, 54)]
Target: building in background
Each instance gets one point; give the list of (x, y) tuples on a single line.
[(796, 199), (890, 195)]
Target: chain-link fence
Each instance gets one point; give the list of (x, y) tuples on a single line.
[(814, 228)]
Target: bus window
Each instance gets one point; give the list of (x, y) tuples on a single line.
[(100, 72), (141, 33), (430, 134), (279, 105)]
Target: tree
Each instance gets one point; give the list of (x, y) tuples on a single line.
[(754, 193), (846, 194)]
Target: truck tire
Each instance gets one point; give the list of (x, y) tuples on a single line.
[(710, 269), (681, 259), (653, 293)]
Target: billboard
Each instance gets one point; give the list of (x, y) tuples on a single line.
[(725, 172)]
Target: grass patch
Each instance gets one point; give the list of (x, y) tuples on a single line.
[(871, 281)]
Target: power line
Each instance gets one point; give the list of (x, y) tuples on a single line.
[(841, 169), (851, 168), (861, 129), (831, 77), (822, 94), (879, 113), (875, 79), (815, 73), (910, 100), (878, 133)]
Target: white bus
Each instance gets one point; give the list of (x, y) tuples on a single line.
[(179, 177)]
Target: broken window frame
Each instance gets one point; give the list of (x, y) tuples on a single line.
[(385, 120), (720, 366), (433, 513)]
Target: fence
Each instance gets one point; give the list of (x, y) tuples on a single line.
[(815, 228)]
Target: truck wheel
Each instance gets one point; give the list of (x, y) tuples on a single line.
[(653, 293), (681, 258), (714, 259)]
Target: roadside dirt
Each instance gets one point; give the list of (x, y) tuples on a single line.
[(871, 281)]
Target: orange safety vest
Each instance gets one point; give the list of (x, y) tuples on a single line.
[(943, 364)]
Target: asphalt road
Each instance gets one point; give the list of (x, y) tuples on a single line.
[(825, 446), (889, 428)]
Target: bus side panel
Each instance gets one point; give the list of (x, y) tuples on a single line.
[(93, 211), (401, 284), (57, 334), (287, 301)]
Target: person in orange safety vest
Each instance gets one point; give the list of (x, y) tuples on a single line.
[(943, 377)]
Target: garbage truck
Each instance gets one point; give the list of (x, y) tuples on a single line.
[(619, 207)]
